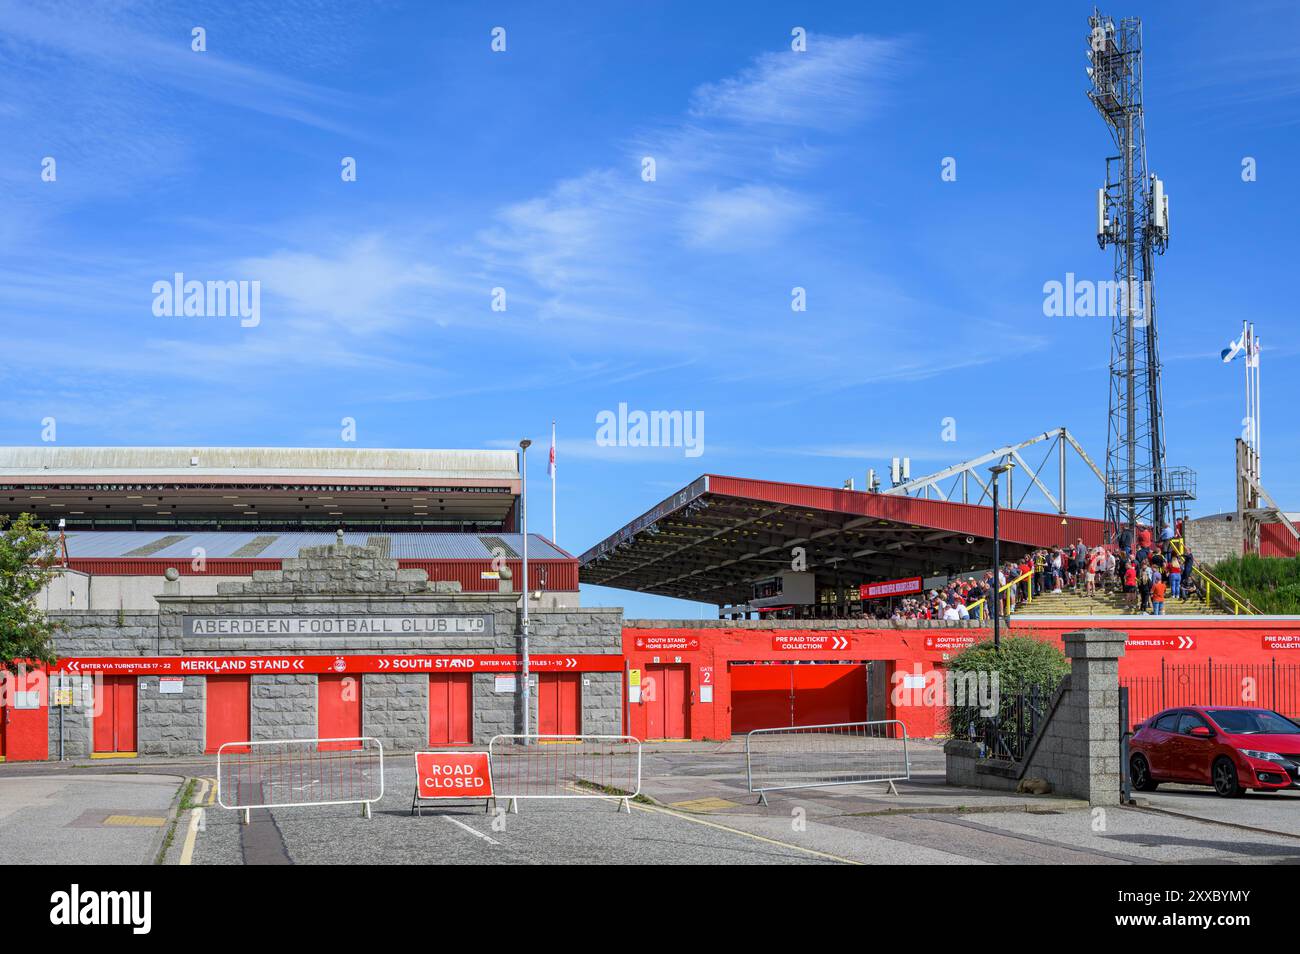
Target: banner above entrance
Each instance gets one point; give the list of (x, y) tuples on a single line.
[(315, 665), (427, 625)]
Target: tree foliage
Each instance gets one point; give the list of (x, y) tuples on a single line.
[(1022, 662), (28, 557)]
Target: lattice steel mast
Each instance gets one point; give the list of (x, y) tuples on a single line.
[(1133, 217)]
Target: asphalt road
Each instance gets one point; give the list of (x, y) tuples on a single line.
[(703, 815), (1275, 812), (542, 832)]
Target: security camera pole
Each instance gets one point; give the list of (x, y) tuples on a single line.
[(523, 503), (997, 471)]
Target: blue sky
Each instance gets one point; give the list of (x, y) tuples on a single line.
[(522, 169)]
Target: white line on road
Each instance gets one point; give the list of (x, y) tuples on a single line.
[(473, 831)]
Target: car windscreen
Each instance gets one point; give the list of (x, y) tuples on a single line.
[(1252, 722)]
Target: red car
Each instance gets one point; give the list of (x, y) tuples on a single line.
[(1230, 747)]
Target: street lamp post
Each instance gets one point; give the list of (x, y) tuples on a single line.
[(997, 471), (523, 661)]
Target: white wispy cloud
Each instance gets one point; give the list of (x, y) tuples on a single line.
[(836, 82), (744, 218), (366, 284)]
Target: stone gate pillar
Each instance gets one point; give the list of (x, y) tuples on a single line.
[(1093, 704)]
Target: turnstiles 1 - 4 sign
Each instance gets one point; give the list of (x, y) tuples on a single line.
[(1160, 642), (310, 665)]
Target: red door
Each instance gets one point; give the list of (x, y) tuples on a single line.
[(664, 692), (451, 707), (559, 703), (338, 710), (115, 714), (760, 697), (4, 725), (227, 712), (827, 694), (782, 695)]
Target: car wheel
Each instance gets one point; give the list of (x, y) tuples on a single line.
[(1224, 774), (1140, 774)]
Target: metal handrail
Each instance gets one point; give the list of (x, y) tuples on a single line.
[(1027, 575), (1238, 604)]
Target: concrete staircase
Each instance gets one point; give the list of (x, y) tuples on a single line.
[(1069, 603)]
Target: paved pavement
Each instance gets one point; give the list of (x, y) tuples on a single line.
[(61, 818)]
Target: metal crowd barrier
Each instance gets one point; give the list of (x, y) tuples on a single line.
[(818, 756), (283, 773), (565, 766)]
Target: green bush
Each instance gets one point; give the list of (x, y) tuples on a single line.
[(1272, 584), (1021, 663)]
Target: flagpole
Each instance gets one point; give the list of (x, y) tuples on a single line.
[(1250, 410), (1259, 433), (553, 480)]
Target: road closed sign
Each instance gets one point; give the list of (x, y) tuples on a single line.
[(453, 775)]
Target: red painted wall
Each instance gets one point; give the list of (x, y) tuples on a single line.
[(708, 652)]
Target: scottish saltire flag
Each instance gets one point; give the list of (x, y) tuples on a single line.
[(1233, 350)]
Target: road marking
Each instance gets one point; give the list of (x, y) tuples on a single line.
[(473, 831), (136, 821), (747, 834), (705, 805), (192, 829)]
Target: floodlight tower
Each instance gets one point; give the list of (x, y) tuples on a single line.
[(1133, 217)]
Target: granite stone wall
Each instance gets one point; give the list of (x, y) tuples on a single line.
[(1212, 539), (334, 581)]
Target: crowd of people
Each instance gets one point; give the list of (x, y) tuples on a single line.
[(1148, 574)]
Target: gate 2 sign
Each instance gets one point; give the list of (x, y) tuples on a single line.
[(453, 775)]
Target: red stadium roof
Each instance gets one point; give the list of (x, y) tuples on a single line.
[(713, 538)]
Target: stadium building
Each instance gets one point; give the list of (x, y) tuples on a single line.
[(232, 594), (221, 595)]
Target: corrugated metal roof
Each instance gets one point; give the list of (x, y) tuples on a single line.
[(49, 461), (218, 545)]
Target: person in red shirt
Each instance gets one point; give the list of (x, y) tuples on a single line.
[(1130, 583), (1158, 597)]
